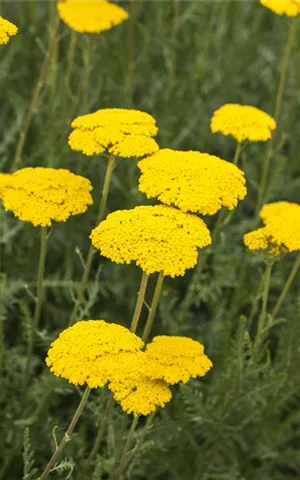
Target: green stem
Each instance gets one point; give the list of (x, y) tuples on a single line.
[(265, 296), (139, 302), (92, 251), (277, 110), (39, 296), (286, 287), (237, 153), (36, 94), (153, 307), (103, 422), (123, 461), (67, 435)]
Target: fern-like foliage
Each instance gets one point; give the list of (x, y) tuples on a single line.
[(29, 470)]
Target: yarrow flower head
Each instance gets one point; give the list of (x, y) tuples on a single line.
[(42, 195), (90, 16), (117, 131), (7, 30), (176, 359), (243, 122), (193, 181), (158, 238), (291, 8), (281, 233), (82, 353), (4, 181), (135, 391)]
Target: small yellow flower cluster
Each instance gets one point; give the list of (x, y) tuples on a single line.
[(41, 195), (193, 181), (243, 122), (7, 29), (281, 233), (176, 359), (121, 132), (97, 353), (158, 238), (90, 16), (291, 8)]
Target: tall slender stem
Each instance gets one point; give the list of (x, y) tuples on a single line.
[(153, 307), (39, 295), (67, 435), (277, 110), (263, 313), (237, 153), (92, 251), (36, 94), (123, 462), (287, 286), (139, 302)]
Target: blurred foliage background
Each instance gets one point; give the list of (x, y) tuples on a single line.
[(178, 60)]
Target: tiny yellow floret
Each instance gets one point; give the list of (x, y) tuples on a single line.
[(243, 122), (7, 30), (176, 359), (87, 352), (90, 16), (291, 8), (42, 195), (117, 131), (193, 181), (158, 238)]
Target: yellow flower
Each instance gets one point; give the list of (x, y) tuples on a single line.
[(281, 233), (135, 391), (243, 122), (7, 29), (41, 195), (120, 132), (176, 359), (88, 352), (90, 16), (158, 239), (193, 181), (291, 8)]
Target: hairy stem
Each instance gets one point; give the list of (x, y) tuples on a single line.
[(139, 302), (67, 435), (153, 307), (36, 95), (287, 286), (92, 251)]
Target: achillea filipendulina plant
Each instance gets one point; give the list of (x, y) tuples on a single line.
[(7, 30), (117, 131), (193, 181), (176, 359), (243, 122), (42, 195), (291, 8), (112, 132), (157, 238), (94, 16)]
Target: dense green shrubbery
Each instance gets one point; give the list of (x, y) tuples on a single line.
[(179, 61)]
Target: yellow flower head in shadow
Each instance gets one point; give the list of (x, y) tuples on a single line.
[(176, 359), (117, 131), (94, 16), (243, 122), (193, 181), (291, 8), (281, 233), (135, 391), (158, 238), (87, 352), (7, 30), (42, 195)]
